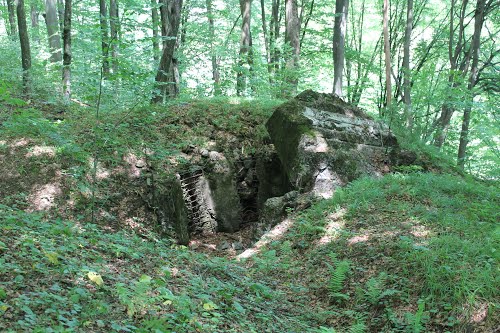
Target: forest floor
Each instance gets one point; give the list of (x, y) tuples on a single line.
[(410, 252)]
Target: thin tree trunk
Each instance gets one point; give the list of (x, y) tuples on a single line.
[(25, 47), (60, 12), (103, 19), (34, 14), (245, 41), (274, 33), (406, 66), (53, 31), (12, 18), (66, 74), (292, 39), (114, 26), (213, 55), (174, 9), (387, 53), (311, 8), (266, 41), (339, 32), (156, 44), (476, 43)]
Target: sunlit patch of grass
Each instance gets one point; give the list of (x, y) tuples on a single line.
[(435, 238)]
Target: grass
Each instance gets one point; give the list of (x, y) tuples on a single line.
[(405, 253), (65, 276)]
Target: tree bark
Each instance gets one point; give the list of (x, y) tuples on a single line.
[(213, 55), (60, 12), (387, 53), (339, 32), (406, 66), (245, 42), (274, 33), (103, 12), (172, 87), (474, 52), (156, 44), (174, 8), (114, 26), (25, 47), (292, 40), (266, 41), (34, 14), (12, 18), (53, 30), (66, 74)]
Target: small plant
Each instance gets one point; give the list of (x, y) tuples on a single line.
[(338, 272)]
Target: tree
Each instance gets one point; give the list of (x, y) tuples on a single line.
[(66, 74), (25, 46), (35, 13), (53, 31), (292, 41), (154, 18), (245, 45), (213, 55), (479, 15), (174, 8), (387, 53), (114, 26), (339, 32), (12, 18), (172, 80), (406, 65), (103, 19)]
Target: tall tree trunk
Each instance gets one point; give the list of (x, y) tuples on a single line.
[(266, 40), (60, 12), (34, 14), (274, 33), (339, 32), (66, 74), (245, 42), (53, 30), (103, 12), (25, 46), (454, 51), (406, 66), (156, 44), (474, 51), (172, 85), (213, 55), (114, 26), (12, 18), (387, 53), (292, 40), (174, 8)]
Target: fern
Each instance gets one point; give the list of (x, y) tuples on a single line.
[(375, 287), (338, 276), (358, 328)]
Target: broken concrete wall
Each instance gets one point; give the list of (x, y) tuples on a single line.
[(324, 143)]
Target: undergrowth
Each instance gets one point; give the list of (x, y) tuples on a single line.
[(66, 276), (406, 253)]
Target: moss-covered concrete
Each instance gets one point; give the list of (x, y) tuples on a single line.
[(172, 210)]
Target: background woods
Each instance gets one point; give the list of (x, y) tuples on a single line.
[(428, 67)]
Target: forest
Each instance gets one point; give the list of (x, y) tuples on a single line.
[(249, 166)]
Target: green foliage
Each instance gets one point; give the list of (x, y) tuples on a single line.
[(146, 283), (337, 278), (435, 234)]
